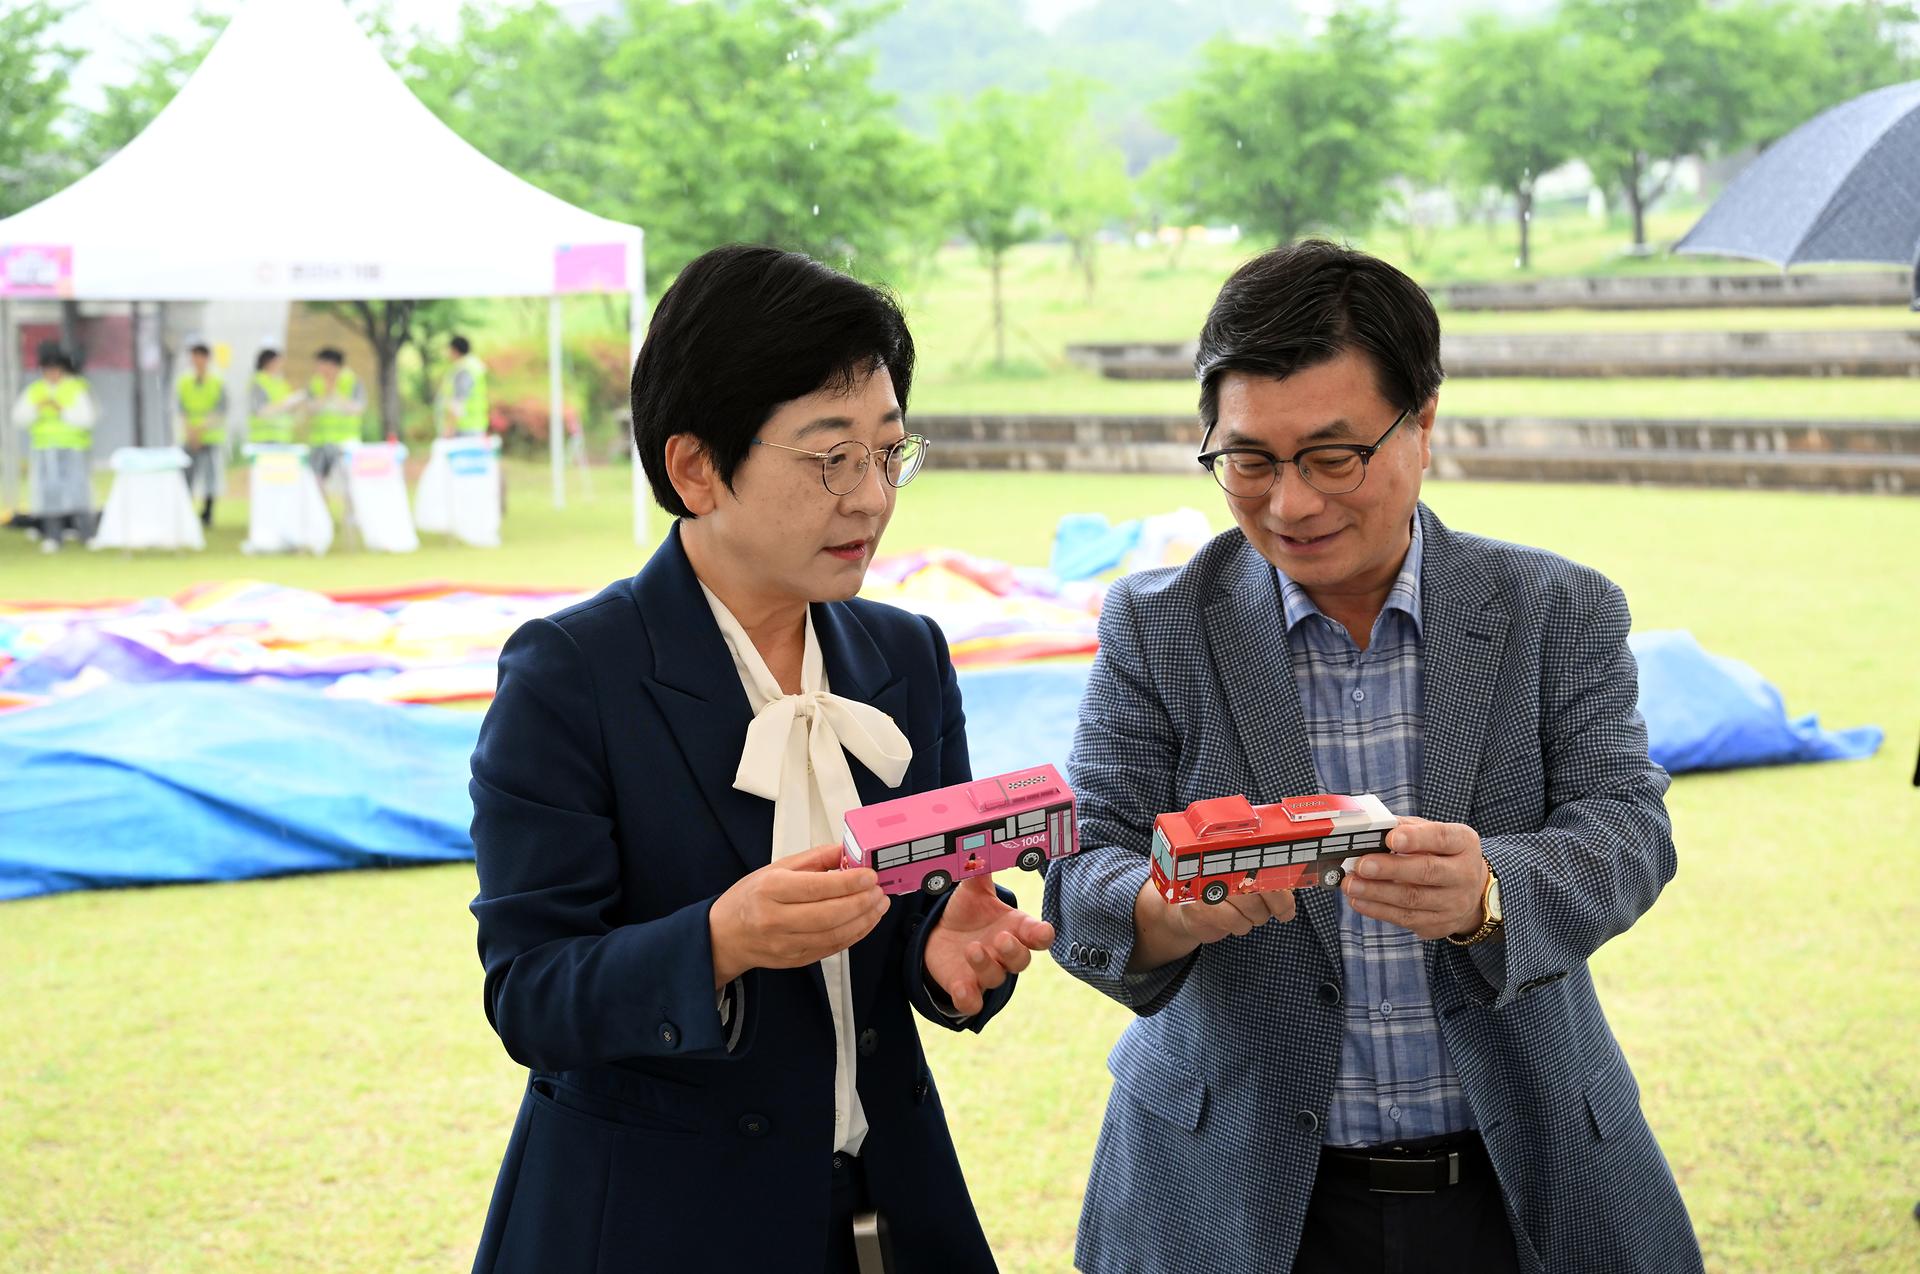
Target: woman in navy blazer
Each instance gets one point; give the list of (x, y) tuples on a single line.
[(713, 1085)]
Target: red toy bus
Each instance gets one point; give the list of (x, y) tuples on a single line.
[(930, 840), (1228, 844)]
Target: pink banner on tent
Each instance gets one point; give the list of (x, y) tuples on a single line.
[(36, 269), (590, 267)]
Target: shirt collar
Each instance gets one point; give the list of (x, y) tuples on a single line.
[(1404, 596)]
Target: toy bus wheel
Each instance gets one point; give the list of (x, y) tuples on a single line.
[(1332, 877), (1214, 893), (937, 882), (1031, 859)]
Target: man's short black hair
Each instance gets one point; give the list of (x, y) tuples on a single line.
[(1305, 304), (200, 347), (332, 355), (461, 345), (742, 330), (53, 354), (264, 357)]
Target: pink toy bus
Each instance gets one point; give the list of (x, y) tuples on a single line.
[(1230, 845), (930, 840)]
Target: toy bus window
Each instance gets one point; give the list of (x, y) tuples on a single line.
[(928, 846), (1189, 868), (1247, 859), (1274, 857), (1307, 853), (999, 834), (1335, 842), (1033, 820), (1214, 864), (977, 840), (1372, 840), (891, 856)]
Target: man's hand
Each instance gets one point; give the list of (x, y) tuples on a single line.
[(193, 435), (1431, 883), (791, 913), (979, 943), (1166, 932)]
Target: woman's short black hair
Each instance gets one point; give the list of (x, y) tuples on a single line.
[(461, 345), (331, 355), (1306, 303), (264, 357), (742, 330)]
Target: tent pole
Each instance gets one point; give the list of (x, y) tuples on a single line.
[(9, 461), (139, 398), (556, 422)]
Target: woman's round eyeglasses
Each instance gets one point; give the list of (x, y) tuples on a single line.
[(843, 466)]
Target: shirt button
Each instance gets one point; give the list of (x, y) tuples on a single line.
[(1393, 1113), (1386, 1009), (1359, 696)]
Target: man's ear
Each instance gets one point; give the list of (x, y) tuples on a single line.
[(690, 470)]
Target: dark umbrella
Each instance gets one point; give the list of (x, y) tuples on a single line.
[(1844, 186)]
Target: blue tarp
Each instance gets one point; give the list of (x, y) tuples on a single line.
[(184, 781)]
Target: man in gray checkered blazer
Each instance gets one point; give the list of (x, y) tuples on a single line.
[(1410, 1072)]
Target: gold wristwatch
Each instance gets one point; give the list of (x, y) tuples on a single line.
[(1490, 907)]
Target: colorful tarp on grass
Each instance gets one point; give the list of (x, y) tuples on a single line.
[(243, 729)]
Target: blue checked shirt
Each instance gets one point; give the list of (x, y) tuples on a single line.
[(1362, 711)]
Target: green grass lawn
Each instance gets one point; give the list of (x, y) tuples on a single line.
[(298, 1074)]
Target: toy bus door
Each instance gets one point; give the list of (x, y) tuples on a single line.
[(1060, 832)]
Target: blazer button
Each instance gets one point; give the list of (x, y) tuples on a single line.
[(920, 1093), (1306, 1121), (1330, 993), (668, 1035), (869, 1042), (753, 1125)]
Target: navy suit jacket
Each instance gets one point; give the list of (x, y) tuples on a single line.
[(605, 824), (1533, 737)]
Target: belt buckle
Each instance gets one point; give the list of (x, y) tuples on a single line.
[(872, 1247), (1379, 1173)]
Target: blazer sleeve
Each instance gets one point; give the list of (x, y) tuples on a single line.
[(565, 987), (955, 767), (1125, 753), (1606, 848)]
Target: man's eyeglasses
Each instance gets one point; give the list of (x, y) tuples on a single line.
[(1333, 468), (843, 466)]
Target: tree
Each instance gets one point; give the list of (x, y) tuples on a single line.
[(33, 87), (1086, 177), (757, 121), (1668, 78), (997, 147), (1285, 137), (163, 67), (1513, 97)]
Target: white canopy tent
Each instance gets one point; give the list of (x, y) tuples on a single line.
[(296, 165)]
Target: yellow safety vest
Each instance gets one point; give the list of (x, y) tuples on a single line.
[(199, 399), (51, 430), (277, 428), (325, 427), (473, 417)]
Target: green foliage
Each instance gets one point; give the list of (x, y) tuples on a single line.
[(34, 160), (997, 150), (1288, 137), (1512, 96), (162, 68), (1086, 176)]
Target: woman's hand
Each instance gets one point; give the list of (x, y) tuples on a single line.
[(792, 912), (979, 943)]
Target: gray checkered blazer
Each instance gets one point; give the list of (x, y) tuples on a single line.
[(1212, 1135)]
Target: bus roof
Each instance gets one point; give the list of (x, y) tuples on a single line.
[(1233, 821), (985, 800)]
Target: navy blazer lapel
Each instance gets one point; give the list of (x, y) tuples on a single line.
[(1247, 631), (699, 692), (857, 669), (1463, 641)]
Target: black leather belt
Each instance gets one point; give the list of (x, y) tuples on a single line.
[(1420, 1167)]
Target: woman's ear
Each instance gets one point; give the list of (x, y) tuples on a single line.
[(690, 470)]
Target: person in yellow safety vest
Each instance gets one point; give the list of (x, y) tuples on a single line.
[(272, 402), (463, 392), (59, 412), (201, 402), (336, 407)]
